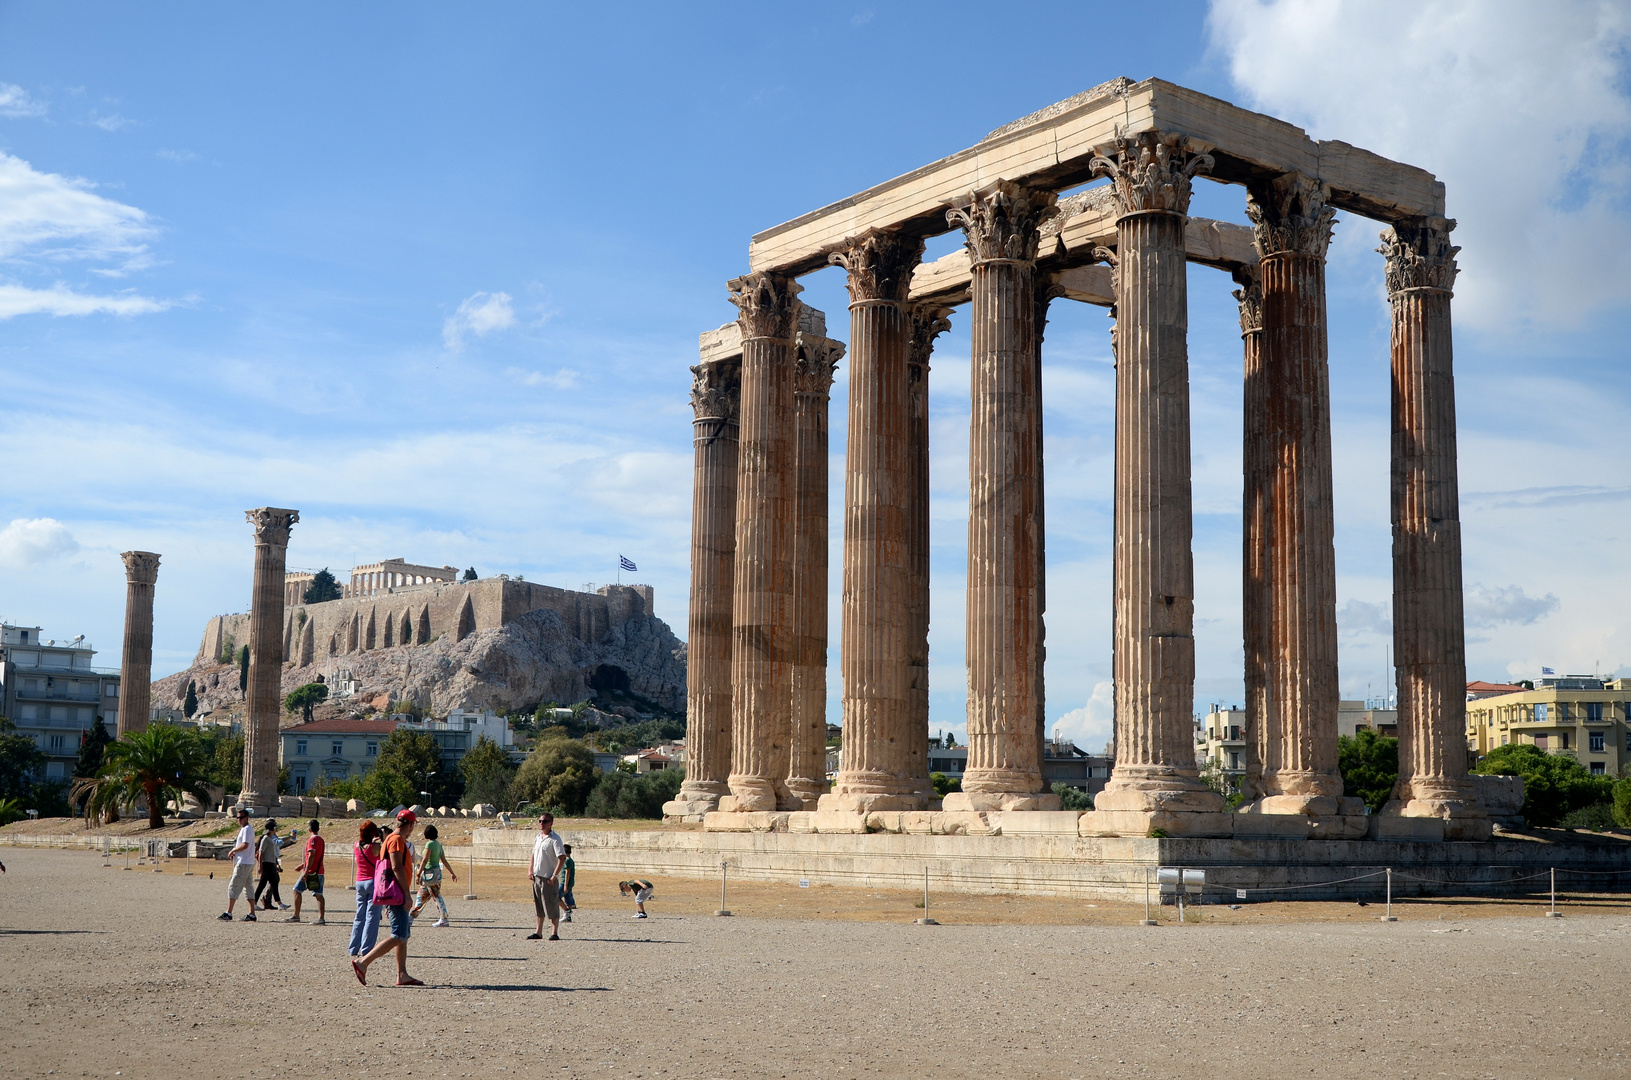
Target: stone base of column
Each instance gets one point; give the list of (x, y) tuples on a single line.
[(1172, 823), (693, 801), (962, 802), (845, 800), (1158, 790), (753, 795), (1308, 805), (807, 792), (1455, 804), (259, 804)]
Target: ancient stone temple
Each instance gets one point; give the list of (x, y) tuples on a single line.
[(1086, 200)]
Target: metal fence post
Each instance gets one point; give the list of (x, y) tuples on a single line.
[(724, 870)]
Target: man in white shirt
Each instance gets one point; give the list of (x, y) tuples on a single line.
[(548, 856), (243, 866)]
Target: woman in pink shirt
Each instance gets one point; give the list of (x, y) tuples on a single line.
[(365, 927)]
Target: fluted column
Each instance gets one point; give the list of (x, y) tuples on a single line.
[(877, 770), (265, 692), (1004, 618), (1154, 661), (1256, 533), (136, 662), (927, 322), (1292, 220), (715, 400), (1429, 642), (762, 619), (817, 359)]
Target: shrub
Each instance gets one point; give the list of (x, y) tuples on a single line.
[(944, 785), (1554, 785), (1369, 764), (559, 774), (1073, 798), (621, 795), (1598, 817), (1622, 802)]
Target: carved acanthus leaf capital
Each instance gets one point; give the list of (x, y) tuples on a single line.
[(272, 524), (817, 361), (768, 304), (1420, 255), (141, 567), (926, 322), (1001, 221), (880, 264), (716, 390), (1151, 170), (1250, 298), (1290, 214)]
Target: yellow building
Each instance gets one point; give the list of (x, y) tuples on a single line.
[(1577, 715)]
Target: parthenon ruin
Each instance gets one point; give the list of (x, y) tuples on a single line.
[(759, 573)]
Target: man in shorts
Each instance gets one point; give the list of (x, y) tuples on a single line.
[(395, 851), (544, 871), (311, 875), (243, 867)]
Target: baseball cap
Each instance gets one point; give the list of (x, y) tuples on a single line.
[(406, 816)]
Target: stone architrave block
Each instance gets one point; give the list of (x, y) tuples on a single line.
[(1398, 827), (800, 821), (1501, 797), (1032, 822), (418, 811), (720, 821), (442, 811), (356, 806), (885, 821), (1339, 827), (1275, 826), (1172, 823), (838, 821), (309, 807), (289, 805), (918, 822)]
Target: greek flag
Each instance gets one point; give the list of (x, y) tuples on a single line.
[(626, 563), (1543, 671)]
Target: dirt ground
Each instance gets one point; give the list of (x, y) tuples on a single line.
[(106, 972)]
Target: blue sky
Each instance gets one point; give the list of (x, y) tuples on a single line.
[(434, 275)]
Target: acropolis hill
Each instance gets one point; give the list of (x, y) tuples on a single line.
[(495, 643)]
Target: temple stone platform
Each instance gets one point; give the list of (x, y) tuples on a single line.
[(1064, 863)]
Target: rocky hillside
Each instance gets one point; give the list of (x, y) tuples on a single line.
[(535, 658)]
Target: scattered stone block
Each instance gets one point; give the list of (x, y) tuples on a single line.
[(356, 806)]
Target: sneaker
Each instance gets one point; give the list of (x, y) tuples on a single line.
[(441, 922), (320, 922), (567, 917), (224, 917), (293, 918), (554, 937), (250, 917), (641, 915), (283, 907), (534, 937)]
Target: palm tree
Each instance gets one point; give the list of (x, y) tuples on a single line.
[(156, 764)]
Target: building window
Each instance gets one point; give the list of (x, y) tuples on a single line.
[(1597, 768), (111, 690), (1594, 712), (300, 747), (1541, 740), (300, 783), (1563, 736), (373, 749), (1596, 741), (1234, 732), (1234, 761), (338, 747), (1563, 711), (1540, 713), (55, 742)]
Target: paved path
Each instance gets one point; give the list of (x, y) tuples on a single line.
[(106, 972)]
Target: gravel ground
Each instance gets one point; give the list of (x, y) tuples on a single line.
[(112, 973)]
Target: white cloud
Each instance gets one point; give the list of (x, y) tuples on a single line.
[(31, 541), (110, 122), (478, 316), (57, 218), (15, 102), (1487, 607), (1091, 726), (1358, 617), (1520, 108), (180, 157), (61, 300), (564, 379)]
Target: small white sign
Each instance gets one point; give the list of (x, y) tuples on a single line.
[(804, 883), (1240, 894)]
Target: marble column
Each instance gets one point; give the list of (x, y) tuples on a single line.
[(1291, 218), (1155, 783), (927, 322), (1004, 618), (265, 693), (1256, 522), (1429, 644), (716, 389), (762, 612), (816, 359), (136, 662), (877, 770)]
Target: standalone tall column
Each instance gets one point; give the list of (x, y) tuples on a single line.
[(715, 399), (762, 621), (1004, 634), (1292, 219), (1429, 645), (877, 767), (1257, 522), (265, 693), (927, 322), (817, 359), (1155, 783), (136, 663)]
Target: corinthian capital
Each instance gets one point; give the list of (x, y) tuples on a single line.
[(1250, 298), (1150, 171), (716, 390), (272, 524), (768, 303), (141, 567), (1001, 221), (926, 322), (817, 360), (1290, 214), (880, 264), (1419, 254)]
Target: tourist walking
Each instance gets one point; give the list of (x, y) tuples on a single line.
[(544, 871), (569, 877), (393, 879), (642, 892), (243, 867), (430, 877), (311, 875), (365, 927), (271, 851)]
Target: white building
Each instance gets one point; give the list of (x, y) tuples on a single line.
[(54, 695)]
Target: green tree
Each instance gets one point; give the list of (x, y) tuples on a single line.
[(487, 774), (91, 749), (1369, 764), (1073, 798), (620, 795), (559, 774), (160, 763), (20, 759), (243, 670), (322, 589), (11, 810), (944, 785), (226, 767), (416, 757), (469, 575), (189, 707), (1553, 784), (303, 699)]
